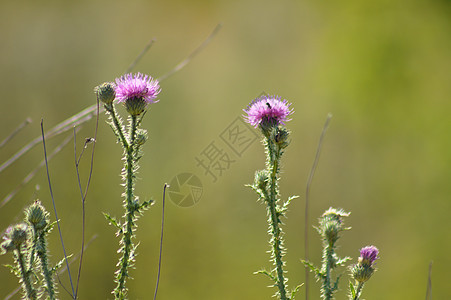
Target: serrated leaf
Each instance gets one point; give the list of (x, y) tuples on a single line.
[(295, 290), (60, 264), (311, 267), (286, 203), (112, 221), (12, 268), (265, 272), (145, 205), (342, 261)]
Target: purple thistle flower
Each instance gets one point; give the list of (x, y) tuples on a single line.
[(139, 85), (368, 255), (268, 108)]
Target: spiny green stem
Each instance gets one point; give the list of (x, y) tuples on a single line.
[(42, 254), (127, 243), (358, 291), (274, 154), (28, 287), (328, 266)]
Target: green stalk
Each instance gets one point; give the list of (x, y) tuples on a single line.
[(26, 282), (328, 292), (42, 254), (127, 248), (274, 155), (359, 290)]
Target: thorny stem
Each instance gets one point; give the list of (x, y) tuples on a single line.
[(328, 264), (127, 244), (274, 154), (28, 287), (45, 266), (359, 290)]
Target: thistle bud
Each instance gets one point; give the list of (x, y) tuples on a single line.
[(331, 224), (141, 137), (105, 92), (280, 136), (18, 235), (36, 216), (261, 179)]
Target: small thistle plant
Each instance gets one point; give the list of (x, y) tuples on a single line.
[(136, 92), (269, 113), (331, 224), (28, 243)]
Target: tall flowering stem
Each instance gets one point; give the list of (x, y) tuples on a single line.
[(135, 92), (268, 113)]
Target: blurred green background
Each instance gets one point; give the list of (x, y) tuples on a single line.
[(382, 68)]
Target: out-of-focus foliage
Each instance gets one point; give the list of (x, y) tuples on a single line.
[(382, 68)]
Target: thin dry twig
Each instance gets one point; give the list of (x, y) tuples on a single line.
[(161, 241), (54, 206), (33, 172), (307, 196), (85, 193), (78, 119), (140, 56), (16, 131), (196, 51)]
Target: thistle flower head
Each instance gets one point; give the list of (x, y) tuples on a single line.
[(268, 109), (136, 91), (368, 255), (364, 269)]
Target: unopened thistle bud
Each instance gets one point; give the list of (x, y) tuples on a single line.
[(36, 216), (105, 92), (18, 235), (331, 224), (141, 137), (261, 179), (280, 136)]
